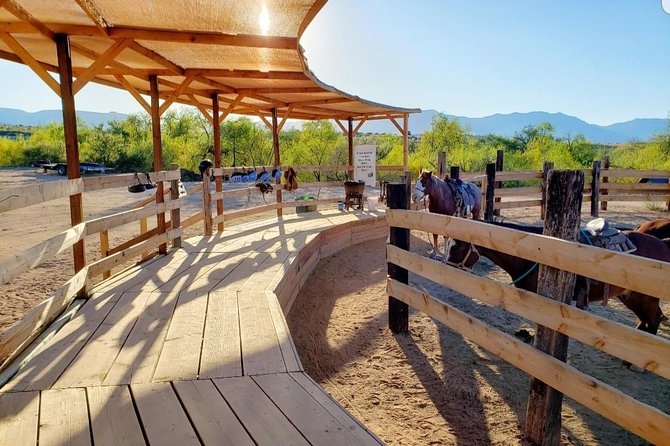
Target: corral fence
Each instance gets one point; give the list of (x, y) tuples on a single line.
[(630, 272)]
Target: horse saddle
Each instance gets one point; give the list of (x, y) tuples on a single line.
[(463, 197), (602, 234)]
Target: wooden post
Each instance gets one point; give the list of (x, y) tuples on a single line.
[(350, 142), (217, 155), (564, 203), (275, 150), (595, 188), (500, 155), (605, 165), (441, 165), (71, 145), (158, 154), (144, 227), (398, 311), (405, 143), (490, 191), (207, 201), (548, 165), (175, 214), (104, 249), (455, 173)]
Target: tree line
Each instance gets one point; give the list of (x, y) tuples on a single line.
[(187, 139)]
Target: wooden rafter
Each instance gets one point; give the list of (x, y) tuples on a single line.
[(133, 91), (218, 85), (149, 54), (178, 92), (396, 124), (100, 63), (344, 129), (231, 107), (29, 60), (283, 90), (92, 12), (360, 124), (323, 101), (286, 43), (283, 121), (17, 11), (251, 74), (202, 108)]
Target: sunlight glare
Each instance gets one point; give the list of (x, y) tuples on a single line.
[(264, 21)]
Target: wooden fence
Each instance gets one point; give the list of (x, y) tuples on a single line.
[(19, 335), (635, 273)]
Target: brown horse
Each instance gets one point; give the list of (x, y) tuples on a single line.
[(449, 197), (657, 228), (524, 273)]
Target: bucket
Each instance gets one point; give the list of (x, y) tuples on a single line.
[(340, 205), (372, 203)]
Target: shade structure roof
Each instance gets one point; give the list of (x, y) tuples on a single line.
[(245, 52)]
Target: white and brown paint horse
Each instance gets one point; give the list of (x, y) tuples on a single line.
[(443, 198)]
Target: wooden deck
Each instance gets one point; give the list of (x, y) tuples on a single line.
[(192, 347)]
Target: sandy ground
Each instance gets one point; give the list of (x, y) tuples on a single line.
[(432, 387)]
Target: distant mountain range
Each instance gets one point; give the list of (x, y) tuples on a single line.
[(501, 124)]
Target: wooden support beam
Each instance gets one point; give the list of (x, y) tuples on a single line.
[(500, 159), (275, 151), (283, 121), (281, 90), (252, 74), (265, 120), (133, 92), (548, 165), (322, 101), (29, 60), (342, 127), (231, 107), (17, 11), (71, 145), (156, 58), (595, 188), (99, 64), (605, 165), (216, 124), (405, 143), (158, 156), (543, 415), (350, 145), (207, 201), (359, 125), (204, 38), (490, 191), (199, 105), (395, 123), (178, 92)]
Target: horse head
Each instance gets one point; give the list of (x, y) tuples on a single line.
[(423, 186), (461, 254)]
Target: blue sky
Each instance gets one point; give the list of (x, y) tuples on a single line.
[(601, 60)]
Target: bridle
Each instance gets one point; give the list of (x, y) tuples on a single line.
[(472, 249)]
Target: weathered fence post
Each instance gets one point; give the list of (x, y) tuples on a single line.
[(595, 188), (605, 165), (500, 154), (175, 214), (455, 173), (543, 416), (104, 249), (441, 165), (490, 191), (398, 311), (548, 165), (207, 201)]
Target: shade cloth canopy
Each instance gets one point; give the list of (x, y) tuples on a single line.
[(246, 52)]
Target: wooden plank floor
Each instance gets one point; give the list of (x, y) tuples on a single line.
[(191, 349)]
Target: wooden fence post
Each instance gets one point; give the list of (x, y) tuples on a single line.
[(175, 214), (490, 191), (104, 249), (605, 165), (595, 188), (455, 172), (207, 201), (441, 165), (543, 415), (548, 165), (500, 154), (398, 311)]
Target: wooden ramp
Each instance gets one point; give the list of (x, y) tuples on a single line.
[(192, 347)]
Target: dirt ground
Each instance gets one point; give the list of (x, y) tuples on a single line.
[(432, 387)]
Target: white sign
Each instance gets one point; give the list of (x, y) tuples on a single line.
[(365, 161)]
